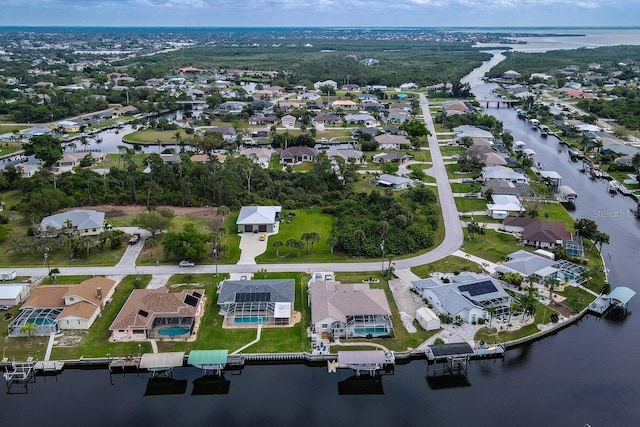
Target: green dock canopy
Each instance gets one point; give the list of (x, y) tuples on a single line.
[(622, 294), (208, 357)]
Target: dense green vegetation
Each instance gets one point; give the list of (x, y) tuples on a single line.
[(405, 224), (549, 62)]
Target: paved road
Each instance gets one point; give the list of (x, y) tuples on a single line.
[(452, 242)]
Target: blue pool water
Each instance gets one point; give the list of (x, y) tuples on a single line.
[(253, 320), (174, 331), (372, 331)]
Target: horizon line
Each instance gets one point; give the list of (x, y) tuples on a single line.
[(539, 27)]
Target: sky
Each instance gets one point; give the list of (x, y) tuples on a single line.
[(320, 13)]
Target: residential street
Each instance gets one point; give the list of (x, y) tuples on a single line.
[(451, 243)]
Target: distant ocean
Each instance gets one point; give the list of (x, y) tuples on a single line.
[(568, 38)]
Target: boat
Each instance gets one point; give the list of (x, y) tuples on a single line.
[(534, 123), (613, 187)]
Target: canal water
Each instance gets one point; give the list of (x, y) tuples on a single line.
[(586, 373)]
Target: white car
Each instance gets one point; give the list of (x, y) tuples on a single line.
[(185, 263)]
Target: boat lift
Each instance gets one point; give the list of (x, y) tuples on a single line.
[(21, 373)]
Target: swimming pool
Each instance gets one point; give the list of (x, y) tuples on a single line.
[(174, 331), (251, 320), (377, 330)]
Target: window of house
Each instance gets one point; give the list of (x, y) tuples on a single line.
[(324, 326)]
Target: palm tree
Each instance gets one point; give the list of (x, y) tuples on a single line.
[(313, 237), (277, 244), (299, 245), (492, 312), (223, 211), (360, 236), (332, 241), (291, 243), (29, 329), (552, 283)]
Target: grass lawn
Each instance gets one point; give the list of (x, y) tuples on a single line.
[(304, 221), (211, 335), (457, 187), (7, 149), (480, 219), (152, 136), (10, 128), (490, 336), (303, 167), (231, 240), (403, 340), (452, 172), (595, 267), (577, 299), (67, 280), (421, 155), (465, 204), (553, 212), (58, 258), (448, 150), (492, 246), (95, 342), (450, 264)]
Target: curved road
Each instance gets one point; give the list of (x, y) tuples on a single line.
[(452, 241)]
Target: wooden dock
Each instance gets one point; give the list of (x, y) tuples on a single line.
[(49, 367)]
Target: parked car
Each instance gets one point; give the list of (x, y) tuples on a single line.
[(185, 263), (263, 237), (134, 239), (468, 180)]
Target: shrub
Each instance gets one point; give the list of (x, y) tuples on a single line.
[(438, 341), (481, 321), (554, 317)]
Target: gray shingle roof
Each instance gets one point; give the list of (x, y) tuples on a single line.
[(280, 290)]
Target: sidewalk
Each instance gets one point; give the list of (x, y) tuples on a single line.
[(489, 267)]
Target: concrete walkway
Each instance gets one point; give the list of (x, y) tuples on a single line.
[(47, 354), (489, 267), (258, 335)]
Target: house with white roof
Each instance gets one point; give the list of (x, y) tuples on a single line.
[(504, 205), (346, 310), (82, 222), (255, 219), (13, 293), (392, 181), (502, 172)]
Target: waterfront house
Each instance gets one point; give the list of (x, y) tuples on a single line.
[(347, 310), (538, 268), (253, 302), (157, 313), (56, 307), (502, 172), (469, 296), (81, 222), (261, 219), (534, 232), (504, 205)]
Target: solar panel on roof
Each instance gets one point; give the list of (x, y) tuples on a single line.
[(480, 288), (253, 297), (191, 300), (143, 313)]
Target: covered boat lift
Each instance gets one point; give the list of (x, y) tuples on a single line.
[(567, 193), (368, 361), (209, 360), (161, 363)]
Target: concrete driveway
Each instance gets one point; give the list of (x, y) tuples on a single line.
[(133, 251), (251, 246)]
